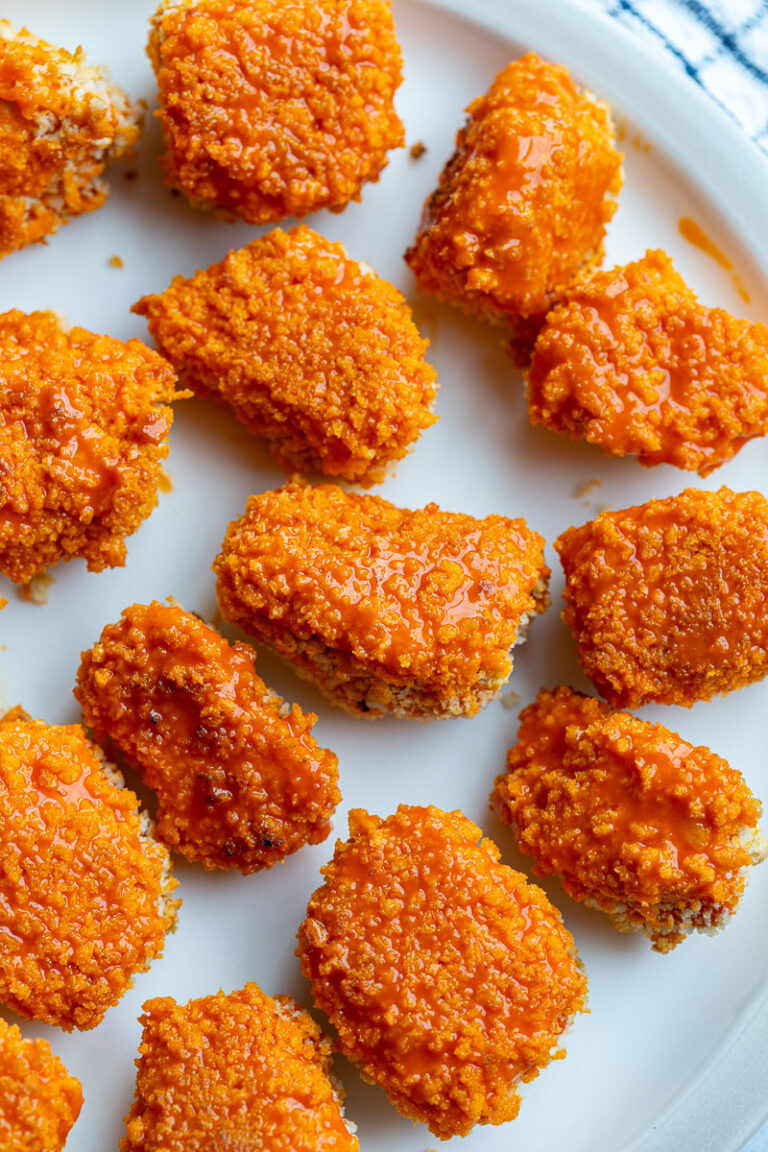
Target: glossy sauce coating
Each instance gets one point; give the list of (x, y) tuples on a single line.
[(240, 1072), (632, 362), (448, 978), (272, 110), (240, 781), (83, 432), (695, 235), (59, 126), (84, 891), (310, 349), (636, 821), (39, 1100), (666, 600), (412, 612), (522, 204)]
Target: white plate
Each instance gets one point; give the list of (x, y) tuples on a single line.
[(672, 1054)]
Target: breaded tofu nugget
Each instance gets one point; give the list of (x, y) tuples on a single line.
[(39, 1100), (448, 978), (83, 432), (311, 350), (667, 600), (243, 1071), (632, 362), (84, 888), (272, 109), (61, 123), (522, 204), (637, 822), (388, 610), (240, 780)]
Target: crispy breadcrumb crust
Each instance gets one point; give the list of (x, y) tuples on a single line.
[(61, 123), (522, 205), (243, 1071), (39, 1100), (84, 889), (448, 978), (387, 609), (273, 110), (632, 362), (83, 432), (240, 780), (637, 822), (666, 600), (310, 349)]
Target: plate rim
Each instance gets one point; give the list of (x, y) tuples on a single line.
[(725, 1102)]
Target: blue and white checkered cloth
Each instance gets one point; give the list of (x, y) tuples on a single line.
[(721, 44)]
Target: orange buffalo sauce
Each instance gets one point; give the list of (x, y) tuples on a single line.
[(83, 431), (424, 599), (60, 124), (632, 362), (500, 234), (634, 819), (84, 902), (310, 349), (666, 600), (39, 1100), (238, 1071), (448, 978), (240, 780), (402, 578), (695, 235), (273, 110)]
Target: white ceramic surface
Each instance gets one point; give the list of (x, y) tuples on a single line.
[(672, 1054)]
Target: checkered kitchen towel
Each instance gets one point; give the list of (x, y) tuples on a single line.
[(722, 44)]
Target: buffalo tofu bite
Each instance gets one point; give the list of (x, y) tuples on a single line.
[(447, 977), (522, 205), (39, 1100), (637, 822), (666, 600), (61, 122), (243, 1071), (311, 350), (240, 781), (83, 432), (84, 888), (388, 610), (272, 109), (632, 362)]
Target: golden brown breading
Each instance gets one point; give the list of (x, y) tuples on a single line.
[(632, 362), (39, 1100), (310, 349), (271, 109), (666, 600), (522, 204), (84, 890), (636, 821), (240, 780), (448, 978), (388, 610), (61, 122), (83, 431), (240, 1072)]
